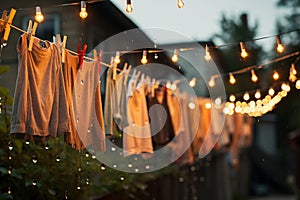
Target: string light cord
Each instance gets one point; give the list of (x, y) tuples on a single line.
[(247, 69)]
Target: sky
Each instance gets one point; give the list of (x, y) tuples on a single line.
[(199, 19)]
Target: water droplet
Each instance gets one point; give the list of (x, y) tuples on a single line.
[(136, 170), (77, 120), (47, 147), (155, 56), (147, 167), (9, 157), (129, 165), (9, 190), (66, 194), (87, 181), (81, 82), (89, 130), (93, 157), (57, 159), (114, 165), (193, 168), (122, 178), (102, 167), (10, 146), (92, 125), (78, 187), (27, 142), (34, 159), (87, 162), (135, 158), (87, 155), (181, 179), (9, 170), (113, 148), (79, 169), (34, 182)]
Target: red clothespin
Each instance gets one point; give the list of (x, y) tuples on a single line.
[(81, 54)]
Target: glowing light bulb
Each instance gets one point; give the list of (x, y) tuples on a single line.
[(175, 56), (193, 82), (275, 75), (293, 69), (271, 92), (211, 82), (246, 96), (257, 94), (144, 58), (298, 84), (232, 98), (279, 46), (232, 80), (293, 73), (180, 4), (83, 14), (117, 57), (244, 53), (129, 6), (39, 17), (207, 56), (254, 78)]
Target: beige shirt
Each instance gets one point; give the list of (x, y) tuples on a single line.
[(40, 105)]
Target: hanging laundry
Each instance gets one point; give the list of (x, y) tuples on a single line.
[(85, 105), (137, 135), (40, 105), (161, 125)]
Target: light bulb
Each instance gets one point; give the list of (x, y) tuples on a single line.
[(175, 56), (298, 84), (211, 82), (257, 94), (83, 14), (207, 56), (180, 4), (244, 53), (293, 69), (254, 78), (246, 96), (193, 82), (271, 91), (144, 58), (39, 17), (232, 98), (275, 75), (279, 47), (129, 6), (117, 58), (232, 80)]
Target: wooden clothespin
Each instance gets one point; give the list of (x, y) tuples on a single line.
[(31, 32), (153, 88), (57, 40), (99, 61), (3, 20), (8, 22), (63, 49)]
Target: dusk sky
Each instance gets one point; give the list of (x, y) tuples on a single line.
[(199, 19)]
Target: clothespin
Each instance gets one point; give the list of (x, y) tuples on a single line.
[(57, 40), (8, 23), (114, 71), (81, 54), (153, 88), (136, 79), (63, 49), (31, 32), (99, 61), (3, 20)]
